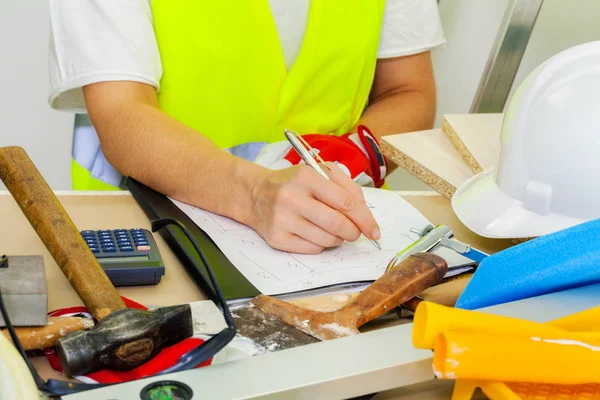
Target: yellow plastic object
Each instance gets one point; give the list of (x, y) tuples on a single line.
[(583, 321), (534, 359), (541, 391), (464, 389), (432, 319)]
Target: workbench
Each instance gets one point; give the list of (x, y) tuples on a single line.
[(399, 370)]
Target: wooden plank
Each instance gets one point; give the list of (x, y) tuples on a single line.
[(430, 156), (476, 137)]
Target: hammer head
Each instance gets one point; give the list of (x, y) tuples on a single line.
[(124, 339)]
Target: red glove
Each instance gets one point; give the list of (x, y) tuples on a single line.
[(357, 154)]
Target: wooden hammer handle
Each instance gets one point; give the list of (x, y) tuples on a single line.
[(58, 233), (41, 337), (415, 274)]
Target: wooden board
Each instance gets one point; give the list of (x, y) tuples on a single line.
[(430, 156), (476, 137)]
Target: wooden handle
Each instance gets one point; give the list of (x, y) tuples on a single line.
[(446, 294), (42, 337), (58, 233), (415, 274)]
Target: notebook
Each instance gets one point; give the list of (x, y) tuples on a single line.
[(350, 265)]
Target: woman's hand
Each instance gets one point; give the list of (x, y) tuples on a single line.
[(297, 210)]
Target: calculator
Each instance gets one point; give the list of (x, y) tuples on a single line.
[(130, 257)]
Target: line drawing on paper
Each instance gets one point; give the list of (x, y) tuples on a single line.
[(275, 272)]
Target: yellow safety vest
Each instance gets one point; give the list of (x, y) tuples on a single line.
[(225, 76)]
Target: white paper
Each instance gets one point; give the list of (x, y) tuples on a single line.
[(276, 272)]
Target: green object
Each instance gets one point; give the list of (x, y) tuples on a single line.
[(167, 390)]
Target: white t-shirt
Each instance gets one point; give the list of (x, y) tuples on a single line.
[(107, 40)]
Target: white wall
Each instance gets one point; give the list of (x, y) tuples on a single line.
[(560, 25), (26, 120), (470, 27)]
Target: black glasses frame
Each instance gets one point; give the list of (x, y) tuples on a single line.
[(189, 360)]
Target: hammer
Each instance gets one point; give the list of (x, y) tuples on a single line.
[(123, 338), (396, 286)]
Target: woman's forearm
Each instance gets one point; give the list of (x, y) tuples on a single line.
[(146, 144), (403, 96), (400, 112), (292, 209)]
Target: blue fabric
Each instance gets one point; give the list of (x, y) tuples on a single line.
[(87, 152), (562, 260), (247, 151)]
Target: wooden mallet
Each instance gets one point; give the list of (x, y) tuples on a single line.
[(402, 283), (123, 338)]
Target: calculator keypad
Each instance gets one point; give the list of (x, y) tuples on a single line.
[(111, 241)]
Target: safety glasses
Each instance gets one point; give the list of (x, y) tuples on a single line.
[(189, 360)]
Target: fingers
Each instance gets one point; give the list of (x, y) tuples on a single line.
[(314, 234), (340, 178), (346, 201), (294, 244), (288, 230), (299, 211), (329, 221)]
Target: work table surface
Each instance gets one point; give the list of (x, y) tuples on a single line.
[(112, 210)]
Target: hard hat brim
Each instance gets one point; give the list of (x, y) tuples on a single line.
[(483, 207)]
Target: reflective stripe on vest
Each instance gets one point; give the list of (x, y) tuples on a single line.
[(91, 171), (224, 73)]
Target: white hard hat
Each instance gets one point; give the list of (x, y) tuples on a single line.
[(547, 175)]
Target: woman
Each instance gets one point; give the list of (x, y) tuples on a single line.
[(183, 96)]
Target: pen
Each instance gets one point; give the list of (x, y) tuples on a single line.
[(308, 154)]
